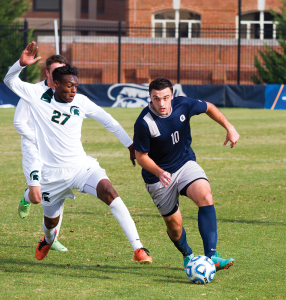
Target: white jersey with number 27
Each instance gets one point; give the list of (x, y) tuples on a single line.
[(58, 124)]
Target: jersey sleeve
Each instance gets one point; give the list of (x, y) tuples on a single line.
[(27, 91), (196, 107), (141, 140), (21, 117), (97, 113)]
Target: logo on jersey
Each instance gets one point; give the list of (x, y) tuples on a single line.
[(45, 197), (47, 96), (34, 175), (182, 118), (74, 110)]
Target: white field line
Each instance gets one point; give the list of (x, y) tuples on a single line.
[(198, 158)]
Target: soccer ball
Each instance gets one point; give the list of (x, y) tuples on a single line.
[(200, 269)]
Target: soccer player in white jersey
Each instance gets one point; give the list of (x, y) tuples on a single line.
[(58, 120), (32, 165)]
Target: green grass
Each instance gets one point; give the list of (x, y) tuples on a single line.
[(248, 185)]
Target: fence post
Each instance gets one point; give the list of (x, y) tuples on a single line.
[(119, 50), (179, 53), (238, 44), (25, 45), (61, 24)]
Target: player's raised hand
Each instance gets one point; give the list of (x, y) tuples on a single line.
[(165, 178), (28, 55), (232, 136), (132, 155)]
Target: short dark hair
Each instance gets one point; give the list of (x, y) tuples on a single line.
[(160, 84), (65, 70), (55, 59)]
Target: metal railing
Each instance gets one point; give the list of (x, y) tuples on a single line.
[(111, 54), (134, 55)]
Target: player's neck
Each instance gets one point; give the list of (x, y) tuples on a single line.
[(50, 84)]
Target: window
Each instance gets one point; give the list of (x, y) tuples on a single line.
[(44, 5), (257, 25), (100, 6), (166, 24), (84, 6)]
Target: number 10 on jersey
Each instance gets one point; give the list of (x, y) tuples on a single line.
[(175, 137)]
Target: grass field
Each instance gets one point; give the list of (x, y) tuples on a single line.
[(248, 185)]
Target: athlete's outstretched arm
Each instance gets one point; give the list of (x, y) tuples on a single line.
[(27, 91), (149, 165), (97, 113), (215, 114)]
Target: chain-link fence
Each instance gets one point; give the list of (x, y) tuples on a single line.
[(111, 54)]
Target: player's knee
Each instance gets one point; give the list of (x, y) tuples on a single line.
[(207, 199), (108, 194), (51, 223)]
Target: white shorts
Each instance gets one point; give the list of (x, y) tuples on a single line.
[(54, 210), (58, 183), (32, 165)]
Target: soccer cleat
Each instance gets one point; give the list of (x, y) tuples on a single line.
[(43, 248), (24, 207), (221, 263), (142, 256), (58, 246), (187, 259)]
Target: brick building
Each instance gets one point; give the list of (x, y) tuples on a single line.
[(42, 13), (155, 13), (207, 30)]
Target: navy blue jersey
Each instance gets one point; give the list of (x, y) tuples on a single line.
[(167, 139)]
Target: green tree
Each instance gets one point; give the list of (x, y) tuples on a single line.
[(272, 68), (12, 37), (12, 9)]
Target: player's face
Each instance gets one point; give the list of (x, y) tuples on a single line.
[(66, 88), (161, 101), (50, 73)]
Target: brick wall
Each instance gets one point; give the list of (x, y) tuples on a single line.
[(114, 10), (215, 12), (144, 60)]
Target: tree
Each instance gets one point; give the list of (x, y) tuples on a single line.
[(12, 9), (12, 37), (272, 70)]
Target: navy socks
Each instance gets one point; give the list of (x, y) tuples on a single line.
[(182, 244), (208, 228)]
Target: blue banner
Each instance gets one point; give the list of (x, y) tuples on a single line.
[(137, 95), (7, 96), (275, 96)]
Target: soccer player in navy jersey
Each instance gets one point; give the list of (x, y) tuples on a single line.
[(162, 140)]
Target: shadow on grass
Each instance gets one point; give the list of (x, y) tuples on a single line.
[(220, 220), (103, 271), (192, 218)]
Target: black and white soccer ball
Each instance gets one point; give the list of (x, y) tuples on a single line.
[(200, 269)]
